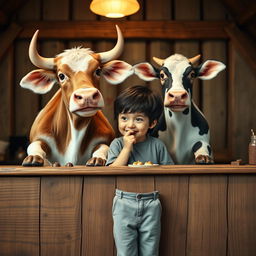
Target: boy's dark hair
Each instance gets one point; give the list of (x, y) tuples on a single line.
[(139, 99)]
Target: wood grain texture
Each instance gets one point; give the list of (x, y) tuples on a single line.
[(174, 199), (241, 215), (60, 217), (207, 216), (19, 216), (132, 29), (97, 236)]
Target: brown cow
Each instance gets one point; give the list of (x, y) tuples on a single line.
[(71, 128)]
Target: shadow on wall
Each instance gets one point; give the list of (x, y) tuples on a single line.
[(14, 151)]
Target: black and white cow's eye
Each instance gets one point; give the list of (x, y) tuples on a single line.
[(62, 77), (98, 71), (162, 75), (192, 74)]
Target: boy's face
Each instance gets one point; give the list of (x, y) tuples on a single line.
[(136, 124)]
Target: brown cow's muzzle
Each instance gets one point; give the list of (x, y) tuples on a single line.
[(177, 101), (86, 102)]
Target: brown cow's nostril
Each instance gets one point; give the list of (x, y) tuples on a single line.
[(95, 96), (77, 97)]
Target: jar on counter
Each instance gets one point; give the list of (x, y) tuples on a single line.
[(252, 149)]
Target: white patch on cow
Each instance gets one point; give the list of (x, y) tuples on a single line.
[(76, 58), (180, 147), (176, 64), (101, 152), (72, 152)]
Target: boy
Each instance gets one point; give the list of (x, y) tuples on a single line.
[(137, 110), (137, 215)]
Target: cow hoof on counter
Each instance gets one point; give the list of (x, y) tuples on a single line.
[(204, 159), (96, 161), (56, 164), (69, 164), (33, 161)]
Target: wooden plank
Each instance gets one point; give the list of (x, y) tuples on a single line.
[(81, 10), (215, 90), (137, 184), (31, 10), (19, 216), (6, 99), (158, 48), (189, 48), (207, 221), (131, 29), (215, 96), (9, 36), (26, 102), (243, 44), (241, 215), (56, 10), (244, 103), (60, 223), (174, 199), (128, 171), (97, 236)]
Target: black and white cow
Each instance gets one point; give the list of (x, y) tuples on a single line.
[(183, 127)]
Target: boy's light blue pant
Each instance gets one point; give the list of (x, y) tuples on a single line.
[(137, 224)]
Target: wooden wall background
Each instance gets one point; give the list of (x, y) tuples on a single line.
[(227, 101)]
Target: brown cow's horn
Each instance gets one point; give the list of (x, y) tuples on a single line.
[(116, 51), (194, 59), (160, 62), (36, 59)]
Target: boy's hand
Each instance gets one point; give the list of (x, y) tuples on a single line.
[(129, 139)]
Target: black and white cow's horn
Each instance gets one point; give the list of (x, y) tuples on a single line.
[(160, 62), (116, 51), (194, 59), (36, 59)]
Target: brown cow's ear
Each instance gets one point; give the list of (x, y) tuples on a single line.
[(116, 71), (39, 81), (210, 69), (145, 71)]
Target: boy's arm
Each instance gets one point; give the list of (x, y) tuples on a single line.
[(122, 158)]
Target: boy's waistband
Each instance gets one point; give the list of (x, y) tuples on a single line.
[(137, 196)]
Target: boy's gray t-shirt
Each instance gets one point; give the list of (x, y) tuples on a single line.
[(152, 149)]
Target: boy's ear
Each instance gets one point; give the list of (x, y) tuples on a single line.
[(153, 124)]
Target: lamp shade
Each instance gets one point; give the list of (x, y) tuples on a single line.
[(114, 8)]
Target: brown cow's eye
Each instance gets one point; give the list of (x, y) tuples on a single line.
[(192, 75), (62, 77)]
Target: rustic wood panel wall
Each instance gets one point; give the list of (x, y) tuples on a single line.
[(211, 214), (227, 100)]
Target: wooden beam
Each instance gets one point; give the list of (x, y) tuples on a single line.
[(8, 36), (243, 44), (130, 29)]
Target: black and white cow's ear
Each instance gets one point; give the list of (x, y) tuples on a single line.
[(145, 71), (116, 71), (210, 69), (39, 81)]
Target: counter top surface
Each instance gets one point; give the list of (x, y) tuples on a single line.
[(7, 170)]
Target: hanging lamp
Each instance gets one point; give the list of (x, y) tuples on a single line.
[(114, 8)]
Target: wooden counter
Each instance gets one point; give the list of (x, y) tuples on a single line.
[(207, 209)]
